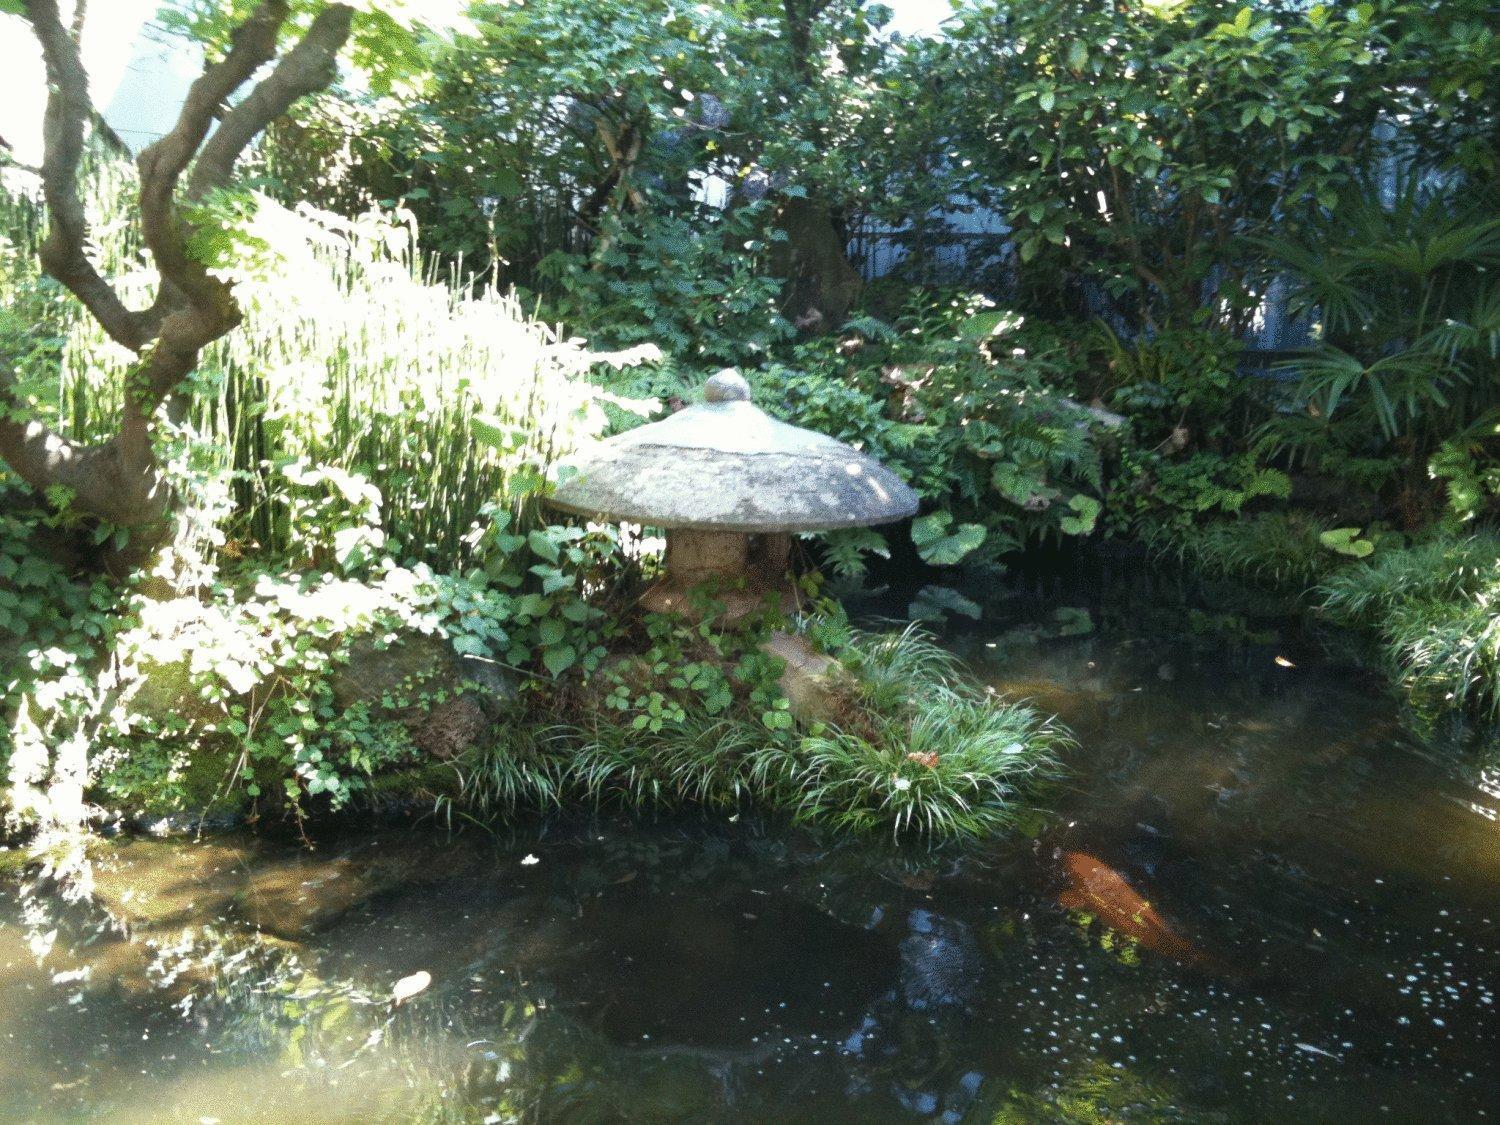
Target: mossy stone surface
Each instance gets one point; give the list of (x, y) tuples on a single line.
[(446, 701)]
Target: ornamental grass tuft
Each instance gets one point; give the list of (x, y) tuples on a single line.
[(914, 749), (1436, 606), (920, 751)]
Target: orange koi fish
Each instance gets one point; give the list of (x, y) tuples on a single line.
[(1095, 886)]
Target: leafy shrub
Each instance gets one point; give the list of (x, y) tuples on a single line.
[(1278, 548), (1179, 386), (1155, 493), (1405, 366), (967, 407), (1136, 146), (918, 751), (1436, 606), (690, 288)]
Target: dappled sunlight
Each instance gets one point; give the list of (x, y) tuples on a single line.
[(583, 560)]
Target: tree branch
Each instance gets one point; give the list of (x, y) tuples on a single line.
[(307, 68), (119, 479), (68, 109), (251, 46)]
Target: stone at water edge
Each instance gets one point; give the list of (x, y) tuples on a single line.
[(812, 682), (474, 692)]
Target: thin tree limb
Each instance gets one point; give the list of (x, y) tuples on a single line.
[(308, 67), (68, 110), (162, 164)]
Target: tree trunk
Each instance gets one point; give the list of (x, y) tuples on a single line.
[(821, 285), (119, 479)]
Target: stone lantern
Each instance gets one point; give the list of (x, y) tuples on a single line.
[(729, 484)]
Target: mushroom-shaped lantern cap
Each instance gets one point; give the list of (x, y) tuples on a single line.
[(725, 465)]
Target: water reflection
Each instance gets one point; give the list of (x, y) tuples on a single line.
[(1343, 889)]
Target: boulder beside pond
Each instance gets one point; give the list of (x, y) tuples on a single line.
[(445, 700), (812, 682)]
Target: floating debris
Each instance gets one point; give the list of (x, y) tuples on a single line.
[(408, 987)]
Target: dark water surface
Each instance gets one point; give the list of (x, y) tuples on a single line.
[(1341, 890)]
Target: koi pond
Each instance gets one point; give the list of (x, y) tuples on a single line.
[(1260, 901)]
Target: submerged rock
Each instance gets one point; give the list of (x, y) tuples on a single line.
[(940, 963)]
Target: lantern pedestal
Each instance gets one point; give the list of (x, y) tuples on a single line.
[(727, 571)]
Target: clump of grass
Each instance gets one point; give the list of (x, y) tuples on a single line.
[(526, 770), (1274, 548), (920, 751), (955, 769), (703, 760), (890, 669), (1436, 607), (1441, 570), (916, 751)]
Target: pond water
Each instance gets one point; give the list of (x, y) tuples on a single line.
[(1322, 941)]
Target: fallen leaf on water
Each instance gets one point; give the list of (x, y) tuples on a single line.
[(1284, 662), (407, 987), (1311, 1050)]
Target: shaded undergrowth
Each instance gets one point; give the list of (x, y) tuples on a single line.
[(903, 744)]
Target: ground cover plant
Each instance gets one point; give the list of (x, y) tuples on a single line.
[(899, 743), (279, 404)]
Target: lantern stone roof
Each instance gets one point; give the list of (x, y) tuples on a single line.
[(726, 465)]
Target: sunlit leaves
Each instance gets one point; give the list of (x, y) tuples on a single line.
[(940, 546), (1085, 514), (1347, 541)]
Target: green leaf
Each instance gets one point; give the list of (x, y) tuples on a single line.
[(1073, 621), (1346, 541), (992, 322), (466, 645), (845, 549), (1088, 514), (553, 579), (497, 434), (532, 605), (939, 548), (777, 720), (559, 659), (934, 603), (551, 631), (544, 545)]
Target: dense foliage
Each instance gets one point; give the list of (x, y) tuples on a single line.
[(1023, 263)]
